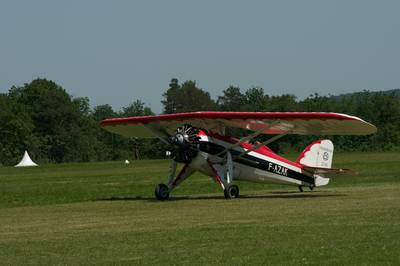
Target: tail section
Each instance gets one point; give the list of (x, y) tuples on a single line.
[(318, 154), (317, 158)]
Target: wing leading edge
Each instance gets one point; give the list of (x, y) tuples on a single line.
[(300, 123)]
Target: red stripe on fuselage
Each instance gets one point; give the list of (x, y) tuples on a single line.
[(263, 150)]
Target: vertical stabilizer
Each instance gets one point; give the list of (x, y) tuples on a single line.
[(317, 154)]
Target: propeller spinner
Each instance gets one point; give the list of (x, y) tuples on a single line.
[(185, 144)]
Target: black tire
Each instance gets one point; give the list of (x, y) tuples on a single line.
[(161, 192), (231, 192), (301, 188)]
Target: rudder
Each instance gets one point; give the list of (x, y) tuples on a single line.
[(317, 154)]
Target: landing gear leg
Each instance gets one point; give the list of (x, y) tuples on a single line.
[(162, 191), (231, 191), (301, 188)]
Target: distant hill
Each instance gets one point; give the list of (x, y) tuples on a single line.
[(395, 92)]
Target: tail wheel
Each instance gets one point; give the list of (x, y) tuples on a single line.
[(231, 192), (161, 192)]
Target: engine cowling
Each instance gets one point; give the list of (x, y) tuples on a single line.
[(185, 144)]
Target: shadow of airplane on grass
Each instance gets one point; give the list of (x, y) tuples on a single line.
[(271, 195)]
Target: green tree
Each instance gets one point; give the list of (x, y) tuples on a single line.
[(171, 97), (105, 148), (256, 100), (137, 108), (317, 103), (54, 114), (15, 131), (231, 100), (186, 98), (43, 118), (283, 103), (102, 112)]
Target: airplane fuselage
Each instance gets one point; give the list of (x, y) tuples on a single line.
[(259, 165)]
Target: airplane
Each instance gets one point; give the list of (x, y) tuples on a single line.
[(199, 140)]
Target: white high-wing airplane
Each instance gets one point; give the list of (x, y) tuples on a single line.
[(198, 140)]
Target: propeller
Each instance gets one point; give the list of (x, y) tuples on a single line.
[(185, 144)]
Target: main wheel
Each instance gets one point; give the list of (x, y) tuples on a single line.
[(231, 191), (161, 192)]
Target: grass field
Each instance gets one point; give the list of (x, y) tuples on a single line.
[(104, 213)]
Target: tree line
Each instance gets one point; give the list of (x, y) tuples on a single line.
[(53, 126)]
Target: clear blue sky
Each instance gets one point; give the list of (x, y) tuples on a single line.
[(118, 51)]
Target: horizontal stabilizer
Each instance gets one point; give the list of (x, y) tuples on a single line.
[(321, 170)]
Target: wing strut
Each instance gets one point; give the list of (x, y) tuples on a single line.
[(160, 133), (255, 147), (249, 137)]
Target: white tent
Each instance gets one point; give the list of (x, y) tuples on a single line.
[(26, 161)]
